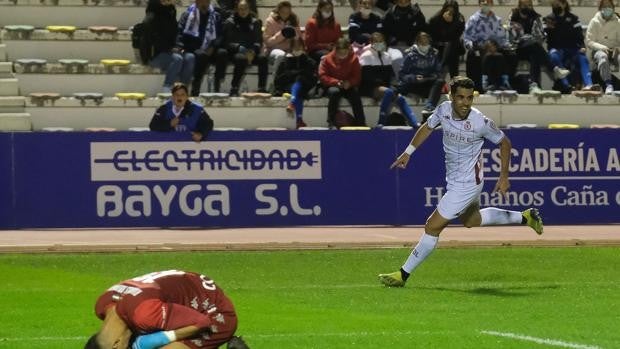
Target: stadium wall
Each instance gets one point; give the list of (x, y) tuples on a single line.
[(276, 178)]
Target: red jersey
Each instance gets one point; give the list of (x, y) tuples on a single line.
[(171, 299)]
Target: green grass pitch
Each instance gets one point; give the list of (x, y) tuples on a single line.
[(332, 299)]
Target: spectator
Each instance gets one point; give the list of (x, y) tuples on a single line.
[(402, 23), (198, 36), (603, 40), (377, 75), (281, 28), (183, 309), (484, 30), (340, 74), (227, 7), (362, 24), (243, 43), (446, 29), (160, 29), (296, 75), (566, 44), (527, 35), (421, 72), (182, 115), (322, 30)]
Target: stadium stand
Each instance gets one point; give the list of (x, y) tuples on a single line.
[(64, 62)]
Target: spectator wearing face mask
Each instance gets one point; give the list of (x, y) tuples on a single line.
[(603, 41), (340, 74), (281, 28), (421, 72), (446, 28), (377, 76), (322, 30), (482, 28), (363, 23), (565, 42), (296, 75), (528, 36)]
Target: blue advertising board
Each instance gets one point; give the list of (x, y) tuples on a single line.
[(263, 178)]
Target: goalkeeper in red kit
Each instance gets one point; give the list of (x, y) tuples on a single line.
[(169, 309)]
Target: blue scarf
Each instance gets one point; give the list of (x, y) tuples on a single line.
[(193, 22)]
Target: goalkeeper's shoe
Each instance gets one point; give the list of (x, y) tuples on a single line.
[(394, 279), (534, 220)]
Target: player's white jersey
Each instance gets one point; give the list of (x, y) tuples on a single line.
[(462, 143)]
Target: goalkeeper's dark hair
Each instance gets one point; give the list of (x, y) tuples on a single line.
[(237, 343), (93, 343)]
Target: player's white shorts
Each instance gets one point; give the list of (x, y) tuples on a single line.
[(455, 201)]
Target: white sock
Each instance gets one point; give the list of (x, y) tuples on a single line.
[(496, 216), (425, 246)]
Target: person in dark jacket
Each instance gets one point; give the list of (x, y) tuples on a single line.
[(421, 72), (296, 75), (402, 23), (363, 23), (377, 76), (446, 29), (242, 44), (528, 36), (182, 115), (566, 45), (227, 7), (160, 30), (199, 34), (340, 73)]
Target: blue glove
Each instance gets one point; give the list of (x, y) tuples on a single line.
[(151, 341)]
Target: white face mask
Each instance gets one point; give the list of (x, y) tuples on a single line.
[(326, 14), (365, 12), (607, 12), (485, 9), (378, 46), (424, 48)]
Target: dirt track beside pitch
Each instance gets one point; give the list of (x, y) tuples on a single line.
[(327, 237)]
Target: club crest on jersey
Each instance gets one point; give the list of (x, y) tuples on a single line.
[(467, 125)]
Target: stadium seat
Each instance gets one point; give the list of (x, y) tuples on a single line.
[(103, 29), (604, 126), (164, 96), (355, 128), (100, 129), (139, 129), (115, 62), (521, 126), (96, 97), (138, 96), (72, 65), (40, 98), (313, 128), (57, 129), (228, 129), (31, 65), (271, 129), (67, 29), (397, 128), (563, 126), (19, 31)]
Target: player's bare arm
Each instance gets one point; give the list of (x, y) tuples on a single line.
[(503, 184), (420, 136)]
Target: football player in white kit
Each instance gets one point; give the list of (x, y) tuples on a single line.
[(464, 131)]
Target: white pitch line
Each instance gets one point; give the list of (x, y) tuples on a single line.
[(546, 341), (40, 339)]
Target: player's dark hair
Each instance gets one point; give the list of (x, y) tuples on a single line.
[(92, 342), (179, 86), (237, 343), (461, 81)]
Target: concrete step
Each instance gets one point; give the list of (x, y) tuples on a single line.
[(12, 104), (94, 51), (3, 55), (15, 122), (9, 87)]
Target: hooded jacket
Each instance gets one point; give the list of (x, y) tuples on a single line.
[(481, 28), (602, 34), (563, 32), (417, 63), (161, 26), (272, 35), (246, 32), (402, 24)]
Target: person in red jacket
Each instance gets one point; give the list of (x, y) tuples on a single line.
[(340, 74), (322, 31), (165, 307)]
